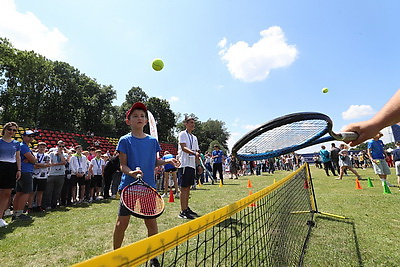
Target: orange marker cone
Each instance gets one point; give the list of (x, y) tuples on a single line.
[(171, 196), (220, 183), (252, 204), (200, 184), (274, 181), (358, 185), (249, 185)]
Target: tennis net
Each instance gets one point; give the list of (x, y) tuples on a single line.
[(267, 228)]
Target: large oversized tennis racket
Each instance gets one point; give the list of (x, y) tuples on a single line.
[(287, 134), (142, 200)]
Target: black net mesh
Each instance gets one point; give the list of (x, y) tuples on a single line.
[(269, 232)]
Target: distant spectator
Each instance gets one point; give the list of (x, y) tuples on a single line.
[(335, 157), (396, 159), (78, 165), (377, 153), (217, 156), (10, 166), (111, 169), (345, 163), (170, 169), (326, 161), (55, 181), (40, 175), (96, 170), (24, 185)]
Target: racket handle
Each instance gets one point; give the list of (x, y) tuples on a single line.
[(347, 136), (138, 176)]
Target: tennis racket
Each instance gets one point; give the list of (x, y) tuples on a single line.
[(142, 200), (287, 134), (207, 171)]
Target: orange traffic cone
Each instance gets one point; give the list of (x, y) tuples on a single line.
[(220, 183), (249, 185), (274, 181), (358, 185), (171, 196), (252, 204)]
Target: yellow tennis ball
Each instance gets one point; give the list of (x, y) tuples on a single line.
[(157, 64), (325, 90)]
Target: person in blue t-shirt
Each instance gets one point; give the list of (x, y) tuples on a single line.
[(24, 186), (326, 161), (396, 159), (377, 154), (217, 156), (137, 149), (170, 169)]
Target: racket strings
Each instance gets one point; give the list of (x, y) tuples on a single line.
[(285, 136), (143, 200)]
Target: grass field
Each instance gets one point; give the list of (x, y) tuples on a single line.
[(368, 238)]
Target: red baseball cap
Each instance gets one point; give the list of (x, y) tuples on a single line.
[(137, 105)]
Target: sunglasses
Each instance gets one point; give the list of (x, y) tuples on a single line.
[(31, 136), (12, 130), (61, 146)]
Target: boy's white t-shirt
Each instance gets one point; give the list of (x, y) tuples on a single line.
[(41, 173), (187, 160), (97, 165)]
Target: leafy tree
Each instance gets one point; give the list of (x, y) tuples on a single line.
[(208, 133), (164, 117), (135, 94)]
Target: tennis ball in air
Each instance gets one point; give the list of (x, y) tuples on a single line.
[(325, 90), (157, 64)]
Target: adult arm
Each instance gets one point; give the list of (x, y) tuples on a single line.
[(388, 115)]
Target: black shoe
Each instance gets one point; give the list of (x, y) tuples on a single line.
[(185, 215), (21, 217), (154, 263), (191, 212)]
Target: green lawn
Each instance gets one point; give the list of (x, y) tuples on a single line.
[(368, 238)]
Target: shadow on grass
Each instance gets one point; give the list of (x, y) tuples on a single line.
[(233, 224), (4, 231), (351, 223)]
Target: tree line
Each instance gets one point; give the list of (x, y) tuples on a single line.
[(41, 93)]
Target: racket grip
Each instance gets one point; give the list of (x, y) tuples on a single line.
[(347, 136), (138, 176)]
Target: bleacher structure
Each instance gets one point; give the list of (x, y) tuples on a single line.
[(106, 144)]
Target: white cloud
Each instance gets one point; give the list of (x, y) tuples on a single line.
[(357, 111), (254, 63), (250, 127), (173, 99), (27, 32), (222, 43), (233, 139)]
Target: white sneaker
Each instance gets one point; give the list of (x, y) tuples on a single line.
[(3, 223), (177, 195)]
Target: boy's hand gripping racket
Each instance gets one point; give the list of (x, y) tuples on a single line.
[(287, 134), (142, 200)]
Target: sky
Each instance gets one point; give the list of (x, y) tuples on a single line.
[(240, 62)]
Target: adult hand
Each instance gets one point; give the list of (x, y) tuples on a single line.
[(365, 129)]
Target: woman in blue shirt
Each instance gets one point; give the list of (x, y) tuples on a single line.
[(10, 166)]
